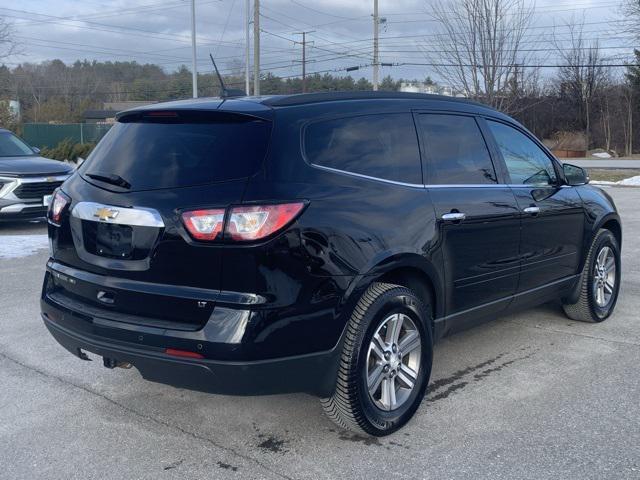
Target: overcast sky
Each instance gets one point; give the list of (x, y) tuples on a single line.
[(154, 31)]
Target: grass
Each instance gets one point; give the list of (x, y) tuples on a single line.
[(611, 175)]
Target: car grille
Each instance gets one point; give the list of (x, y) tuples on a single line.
[(35, 189)]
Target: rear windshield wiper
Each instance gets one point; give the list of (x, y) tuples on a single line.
[(111, 178)]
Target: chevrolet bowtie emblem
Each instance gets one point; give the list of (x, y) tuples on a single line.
[(104, 214)]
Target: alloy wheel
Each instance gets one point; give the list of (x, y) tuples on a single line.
[(604, 277), (393, 361)]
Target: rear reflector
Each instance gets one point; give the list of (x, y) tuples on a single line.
[(182, 353)]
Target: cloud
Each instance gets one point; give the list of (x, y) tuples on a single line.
[(159, 32)]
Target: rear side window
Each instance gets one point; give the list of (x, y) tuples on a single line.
[(526, 162), (383, 146), (185, 149), (456, 153)]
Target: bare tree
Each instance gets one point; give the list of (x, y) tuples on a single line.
[(8, 45), (477, 47), (627, 126), (630, 22), (581, 75)]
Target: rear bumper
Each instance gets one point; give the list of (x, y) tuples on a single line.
[(312, 373)]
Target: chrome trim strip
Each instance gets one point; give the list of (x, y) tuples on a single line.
[(19, 207), (425, 185), (15, 182), (135, 216), (44, 178), (181, 291), (367, 177)]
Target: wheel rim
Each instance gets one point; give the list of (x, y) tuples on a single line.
[(393, 361), (604, 277)]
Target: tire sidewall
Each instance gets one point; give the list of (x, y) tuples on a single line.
[(398, 300), (598, 313)]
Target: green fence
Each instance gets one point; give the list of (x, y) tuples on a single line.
[(49, 135)]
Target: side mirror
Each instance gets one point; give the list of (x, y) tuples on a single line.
[(575, 175), (35, 149)]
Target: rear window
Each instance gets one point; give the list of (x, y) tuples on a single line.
[(383, 146), (168, 150)]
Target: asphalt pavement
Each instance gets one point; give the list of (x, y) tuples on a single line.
[(528, 396)]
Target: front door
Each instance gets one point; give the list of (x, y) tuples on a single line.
[(552, 214), (478, 218)]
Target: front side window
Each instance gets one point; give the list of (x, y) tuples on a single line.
[(456, 153), (382, 146), (526, 162)]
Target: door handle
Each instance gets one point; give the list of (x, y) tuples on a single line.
[(532, 210), (453, 217)]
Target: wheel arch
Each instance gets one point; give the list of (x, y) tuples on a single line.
[(612, 223), (414, 272)]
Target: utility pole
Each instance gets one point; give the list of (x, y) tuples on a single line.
[(376, 59), (256, 47), (194, 71), (304, 58), (247, 40)]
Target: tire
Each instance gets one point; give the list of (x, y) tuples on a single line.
[(380, 309), (589, 307)]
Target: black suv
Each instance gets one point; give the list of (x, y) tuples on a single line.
[(317, 243)]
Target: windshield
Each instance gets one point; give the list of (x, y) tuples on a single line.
[(12, 146), (154, 153)]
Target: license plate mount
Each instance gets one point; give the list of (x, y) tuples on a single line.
[(115, 241)]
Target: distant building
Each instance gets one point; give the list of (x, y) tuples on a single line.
[(109, 110), (14, 108), (433, 88), (121, 106)]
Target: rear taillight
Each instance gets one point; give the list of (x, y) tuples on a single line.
[(58, 203), (260, 221), (204, 224), (244, 223)]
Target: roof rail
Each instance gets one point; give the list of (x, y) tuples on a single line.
[(305, 98)]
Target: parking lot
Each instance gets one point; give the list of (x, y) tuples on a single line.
[(532, 395)]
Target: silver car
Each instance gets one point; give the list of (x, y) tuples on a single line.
[(27, 180)]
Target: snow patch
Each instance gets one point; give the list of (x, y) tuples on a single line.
[(601, 155), (630, 181), (18, 246), (627, 182)]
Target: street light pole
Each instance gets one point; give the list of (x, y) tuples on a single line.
[(247, 12), (304, 58), (376, 59), (256, 47), (194, 71)]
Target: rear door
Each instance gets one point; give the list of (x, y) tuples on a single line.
[(478, 218), (552, 214)]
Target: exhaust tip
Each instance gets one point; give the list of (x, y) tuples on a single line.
[(113, 363)]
